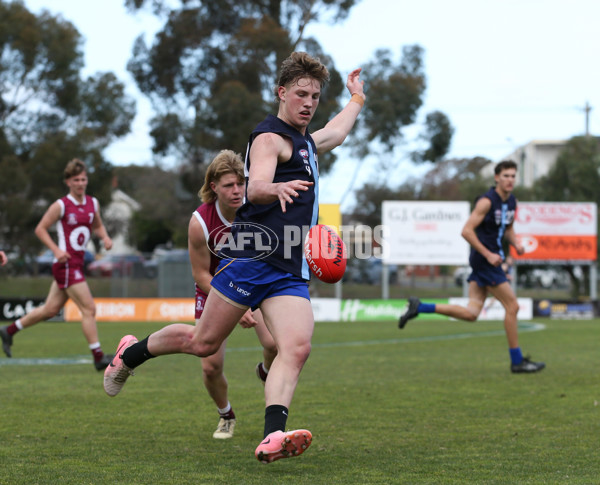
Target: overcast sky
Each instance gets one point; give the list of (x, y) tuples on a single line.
[(505, 72)]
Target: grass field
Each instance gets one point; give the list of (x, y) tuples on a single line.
[(432, 404)]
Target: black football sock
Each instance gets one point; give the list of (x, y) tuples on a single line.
[(275, 418), (137, 354)]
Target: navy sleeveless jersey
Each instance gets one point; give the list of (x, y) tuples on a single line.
[(264, 231), (491, 230)]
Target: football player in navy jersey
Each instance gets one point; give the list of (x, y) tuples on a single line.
[(489, 224), (76, 216), (263, 266)]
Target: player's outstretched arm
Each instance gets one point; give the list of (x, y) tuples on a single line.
[(335, 132)]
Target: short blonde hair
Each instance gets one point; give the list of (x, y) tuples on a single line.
[(226, 161), (299, 65), (74, 167)]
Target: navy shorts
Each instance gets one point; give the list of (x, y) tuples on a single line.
[(249, 282), (488, 275)]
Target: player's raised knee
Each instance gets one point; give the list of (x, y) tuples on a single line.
[(201, 347)]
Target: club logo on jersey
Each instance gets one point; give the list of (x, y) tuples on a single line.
[(71, 219), (303, 152), (79, 238), (509, 217), (244, 236)]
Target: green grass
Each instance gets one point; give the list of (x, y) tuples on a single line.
[(432, 404)]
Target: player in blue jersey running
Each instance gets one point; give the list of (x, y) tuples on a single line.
[(490, 222), (263, 264)]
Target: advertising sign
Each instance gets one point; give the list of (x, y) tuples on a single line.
[(379, 310), (13, 308), (169, 310), (565, 310), (330, 215), (137, 310), (557, 231), (424, 232)]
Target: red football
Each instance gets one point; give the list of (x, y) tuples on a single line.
[(325, 253)]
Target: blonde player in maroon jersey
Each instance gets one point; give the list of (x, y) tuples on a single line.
[(222, 194), (76, 216)]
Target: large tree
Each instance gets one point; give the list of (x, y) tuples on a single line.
[(210, 71), (575, 176), (455, 179), (49, 114)]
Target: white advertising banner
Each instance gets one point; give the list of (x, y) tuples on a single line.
[(424, 232), (326, 309)]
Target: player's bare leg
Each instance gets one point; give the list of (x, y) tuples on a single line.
[(214, 377), (54, 302), (291, 322), (506, 296), (216, 384), (519, 364), (82, 297), (218, 320), (268, 345), (469, 313)]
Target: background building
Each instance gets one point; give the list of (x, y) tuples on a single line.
[(535, 159)]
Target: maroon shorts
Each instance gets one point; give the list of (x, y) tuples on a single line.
[(66, 274), (200, 302)]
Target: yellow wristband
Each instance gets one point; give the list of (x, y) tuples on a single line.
[(357, 98)]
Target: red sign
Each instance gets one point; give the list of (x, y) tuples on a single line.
[(557, 231)]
